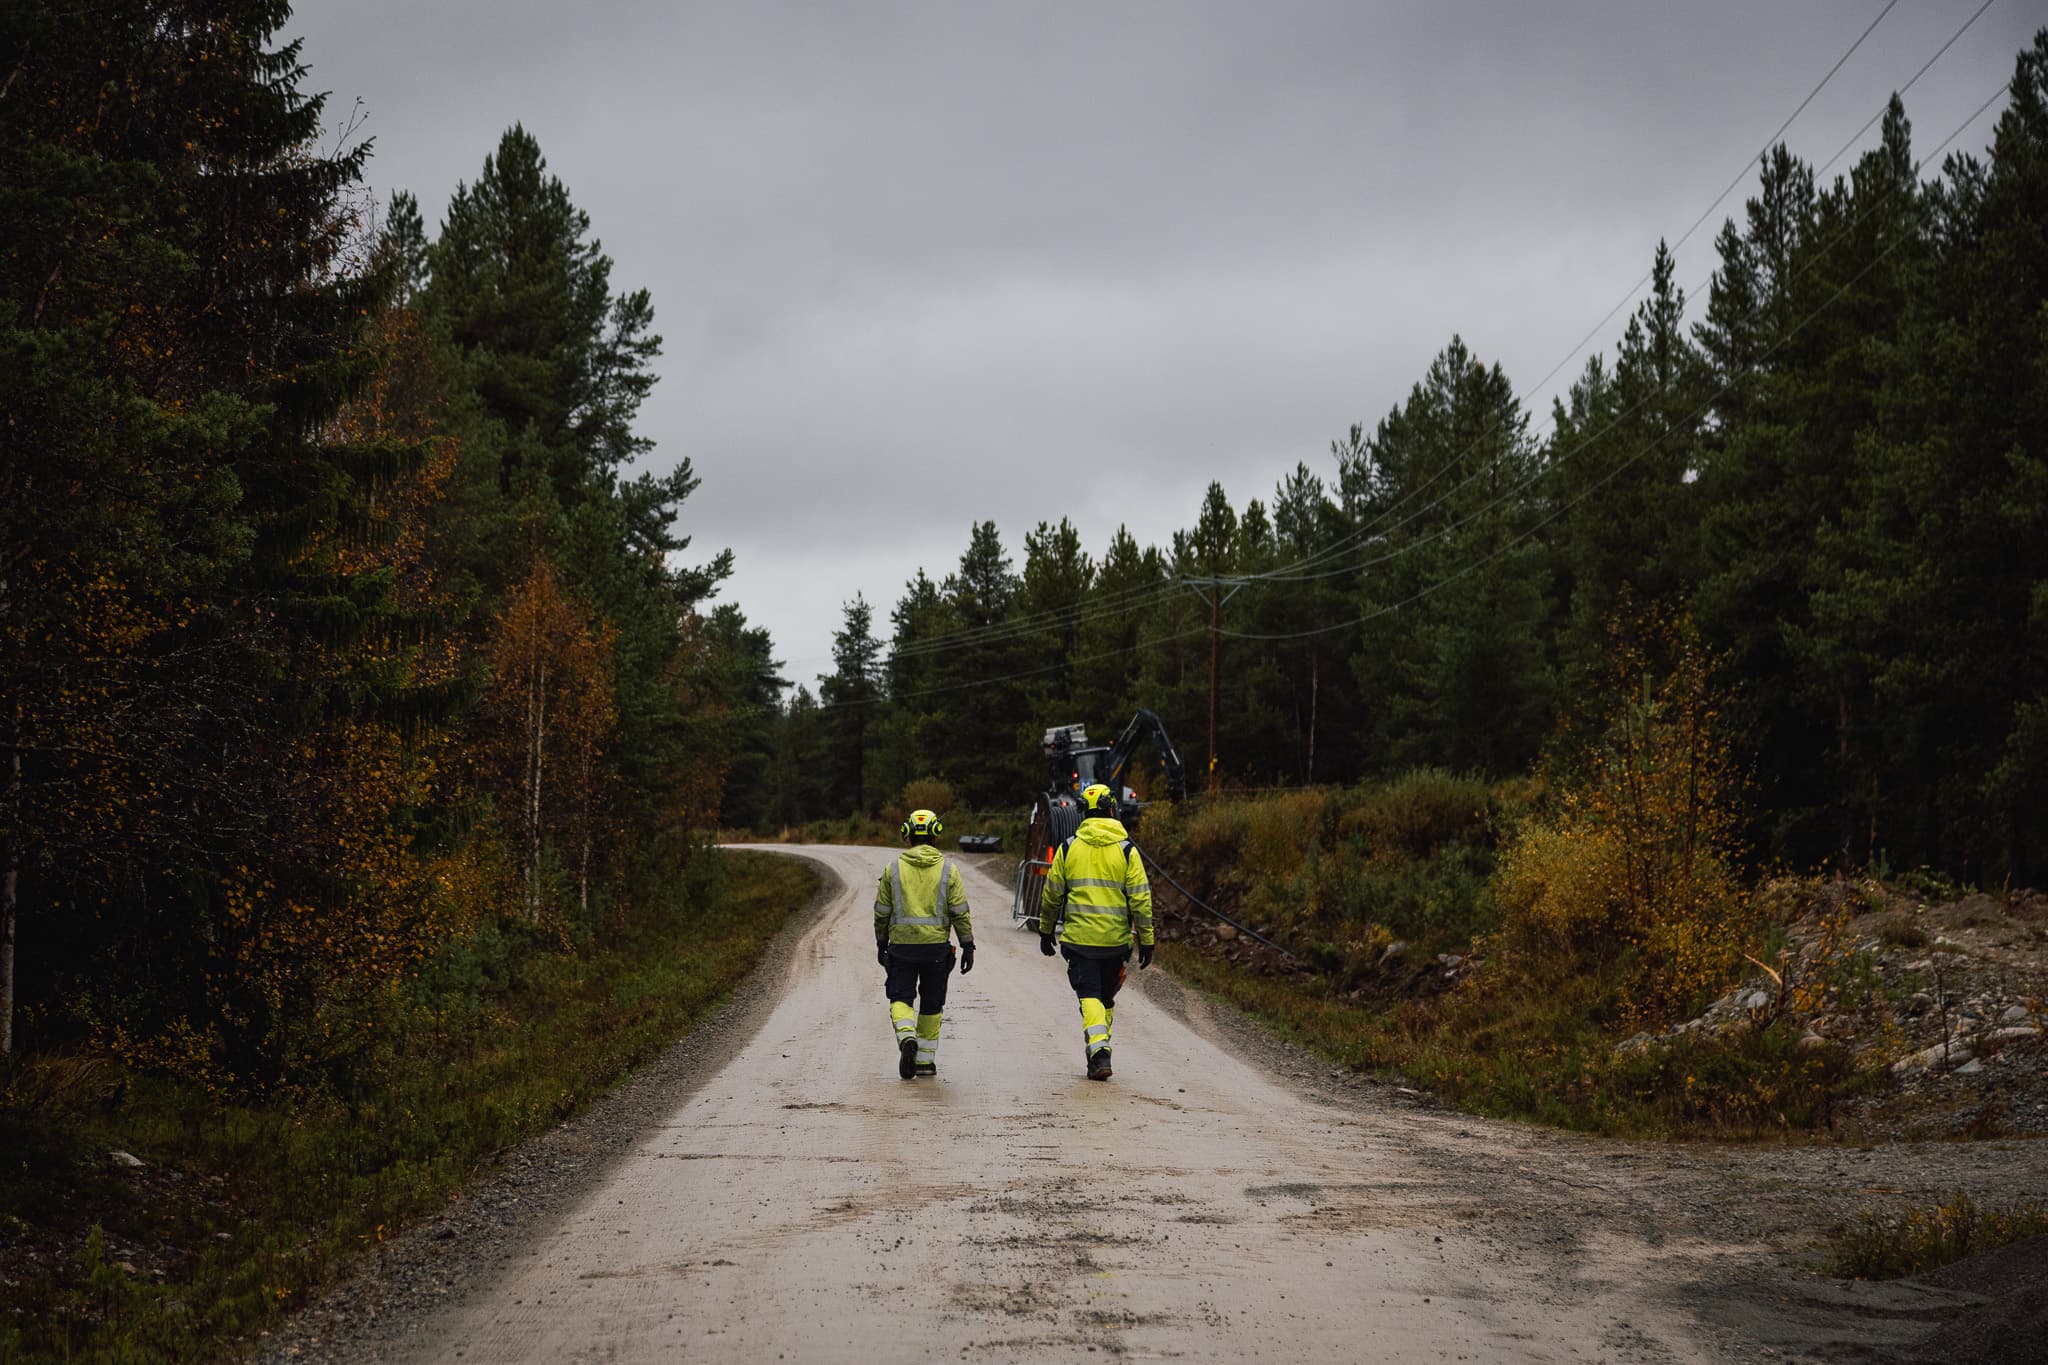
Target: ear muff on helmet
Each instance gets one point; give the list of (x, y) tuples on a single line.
[(1098, 799), (923, 824)]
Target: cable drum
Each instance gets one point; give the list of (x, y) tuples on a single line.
[(1054, 818)]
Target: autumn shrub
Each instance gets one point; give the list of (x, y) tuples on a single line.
[(1635, 858), (921, 793), (1884, 1245), (1349, 869), (1418, 813), (1448, 896)]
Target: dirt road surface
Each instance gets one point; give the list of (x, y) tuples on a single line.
[(1212, 1202)]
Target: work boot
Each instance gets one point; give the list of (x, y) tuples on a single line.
[(906, 1060), (1098, 1065), (927, 1068)]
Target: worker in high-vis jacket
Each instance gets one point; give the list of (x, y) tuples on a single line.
[(1098, 904), (920, 905)]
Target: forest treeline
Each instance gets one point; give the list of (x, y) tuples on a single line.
[(347, 655), (1835, 463)]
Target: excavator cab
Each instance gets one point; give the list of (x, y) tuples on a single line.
[(1071, 764)]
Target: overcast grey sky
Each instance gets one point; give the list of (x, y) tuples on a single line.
[(922, 264)]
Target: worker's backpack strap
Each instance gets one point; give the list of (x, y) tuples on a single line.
[(1066, 847)]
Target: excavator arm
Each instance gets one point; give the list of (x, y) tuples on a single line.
[(1144, 726)]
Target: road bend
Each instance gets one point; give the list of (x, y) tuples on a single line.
[(806, 1204)]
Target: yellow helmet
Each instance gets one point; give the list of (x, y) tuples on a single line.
[(1097, 799), (923, 824)]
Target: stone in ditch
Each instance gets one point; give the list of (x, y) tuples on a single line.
[(1931, 1059), (1810, 1042), (1970, 1068), (2014, 1035), (1226, 932), (1755, 1000), (126, 1159), (2014, 1014)]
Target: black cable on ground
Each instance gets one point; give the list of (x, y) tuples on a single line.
[(1196, 901)]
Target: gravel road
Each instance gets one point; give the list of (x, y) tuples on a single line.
[(772, 1191)]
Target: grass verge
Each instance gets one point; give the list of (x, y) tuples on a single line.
[(1527, 1051), (1889, 1245), (240, 1209)]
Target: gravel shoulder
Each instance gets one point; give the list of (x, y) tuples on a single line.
[(535, 1185), (1735, 1232)]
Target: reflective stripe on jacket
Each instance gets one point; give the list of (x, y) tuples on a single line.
[(908, 904), (1096, 891)]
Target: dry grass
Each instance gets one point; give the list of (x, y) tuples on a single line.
[(1888, 1245)]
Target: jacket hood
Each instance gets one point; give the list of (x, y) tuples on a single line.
[(922, 855), (1101, 831)]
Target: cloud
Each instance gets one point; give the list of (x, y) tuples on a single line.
[(917, 265)]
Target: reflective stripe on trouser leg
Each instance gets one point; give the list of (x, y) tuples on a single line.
[(1108, 1022), (928, 1036), (1094, 1024), (904, 1018)]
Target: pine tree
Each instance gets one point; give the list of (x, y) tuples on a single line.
[(920, 624), (1129, 604), (751, 681), (1451, 662), (974, 725), (1051, 595), (850, 696), (523, 295), (1307, 603), (1623, 457)]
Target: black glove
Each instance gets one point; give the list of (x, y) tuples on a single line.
[(882, 953), (1144, 956), (966, 958), (1045, 944)]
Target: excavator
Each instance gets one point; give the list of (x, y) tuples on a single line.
[(1072, 764)]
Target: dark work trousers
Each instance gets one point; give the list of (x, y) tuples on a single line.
[(1095, 977), (920, 983)]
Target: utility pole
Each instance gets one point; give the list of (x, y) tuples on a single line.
[(1211, 590)]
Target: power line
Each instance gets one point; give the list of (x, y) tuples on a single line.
[(1133, 598), (1911, 81), (1558, 460), (1772, 141), (1446, 581), (1649, 446), (1622, 302), (1136, 597), (1595, 486)]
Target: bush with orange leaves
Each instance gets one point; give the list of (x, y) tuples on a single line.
[(922, 793), (1632, 870)]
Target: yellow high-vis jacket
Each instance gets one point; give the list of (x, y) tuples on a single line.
[(1096, 892), (921, 899)]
